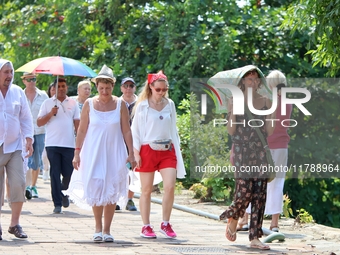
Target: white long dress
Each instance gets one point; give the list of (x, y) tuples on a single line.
[(102, 175)]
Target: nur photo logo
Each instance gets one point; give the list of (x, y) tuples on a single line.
[(236, 98)]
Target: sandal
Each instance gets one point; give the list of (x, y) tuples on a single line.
[(108, 238), (97, 237), (231, 236), (274, 229), (17, 231), (257, 244), (242, 227)]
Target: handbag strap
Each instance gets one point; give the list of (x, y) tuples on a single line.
[(264, 143), (257, 129)]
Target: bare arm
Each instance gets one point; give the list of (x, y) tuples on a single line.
[(270, 125), (76, 125), (41, 121), (126, 131), (81, 133), (29, 147), (231, 118), (137, 157)]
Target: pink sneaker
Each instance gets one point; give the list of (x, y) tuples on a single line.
[(147, 232), (167, 231)]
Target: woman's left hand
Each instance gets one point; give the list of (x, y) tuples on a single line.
[(132, 161)]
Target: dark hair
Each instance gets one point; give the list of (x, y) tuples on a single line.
[(49, 89), (104, 80), (59, 80), (241, 85)]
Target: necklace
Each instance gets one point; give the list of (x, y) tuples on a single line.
[(157, 103)]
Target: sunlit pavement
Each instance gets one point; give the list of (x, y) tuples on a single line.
[(71, 233)]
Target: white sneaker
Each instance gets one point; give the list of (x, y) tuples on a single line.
[(46, 175)]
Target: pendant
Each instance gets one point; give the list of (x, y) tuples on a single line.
[(161, 117)]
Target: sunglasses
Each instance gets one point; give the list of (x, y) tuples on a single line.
[(128, 85), (159, 90), (31, 79)]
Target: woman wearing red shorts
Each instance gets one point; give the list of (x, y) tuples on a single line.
[(156, 148)]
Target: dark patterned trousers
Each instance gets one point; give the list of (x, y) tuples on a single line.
[(254, 191)]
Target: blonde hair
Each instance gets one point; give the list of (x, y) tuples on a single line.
[(276, 77), (86, 82), (146, 93)]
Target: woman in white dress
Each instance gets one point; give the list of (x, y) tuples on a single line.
[(101, 156)]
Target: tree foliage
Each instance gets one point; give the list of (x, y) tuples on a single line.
[(321, 19), (188, 39)]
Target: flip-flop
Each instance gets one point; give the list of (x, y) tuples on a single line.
[(259, 245), (231, 236), (242, 227)]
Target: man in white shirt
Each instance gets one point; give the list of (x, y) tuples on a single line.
[(60, 115), (35, 98), (16, 124)]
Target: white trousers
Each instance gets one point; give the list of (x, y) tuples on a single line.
[(274, 202)]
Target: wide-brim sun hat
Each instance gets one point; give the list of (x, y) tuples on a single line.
[(105, 73)]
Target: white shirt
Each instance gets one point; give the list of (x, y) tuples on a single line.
[(60, 128), (156, 121), (139, 129), (40, 97), (16, 121)]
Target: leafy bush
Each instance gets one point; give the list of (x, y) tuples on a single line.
[(315, 140), (304, 216), (287, 210), (178, 188), (204, 147), (183, 125), (200, 191), (320, 197)]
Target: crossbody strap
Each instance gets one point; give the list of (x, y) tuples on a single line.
[(257, 129), (265, 146)]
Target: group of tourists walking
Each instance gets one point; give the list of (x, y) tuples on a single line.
[(94, 146)]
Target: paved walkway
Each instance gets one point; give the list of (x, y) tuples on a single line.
[(71, 233)]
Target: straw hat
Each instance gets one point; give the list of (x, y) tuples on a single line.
[(27, 75), (105, 73)]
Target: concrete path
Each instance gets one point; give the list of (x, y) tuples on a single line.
[(71, 233)]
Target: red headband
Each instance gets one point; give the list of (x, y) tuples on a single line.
[(156, 76)]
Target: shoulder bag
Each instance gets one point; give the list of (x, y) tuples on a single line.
[(270, 161)]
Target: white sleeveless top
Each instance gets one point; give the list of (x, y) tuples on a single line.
[(158, 123)]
